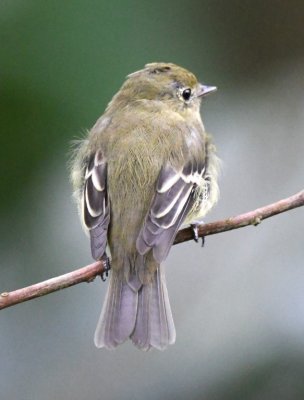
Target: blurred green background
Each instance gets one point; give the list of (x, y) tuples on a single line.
[(238, 303)]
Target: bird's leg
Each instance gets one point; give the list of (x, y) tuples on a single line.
[(194, 225), (107, 266)]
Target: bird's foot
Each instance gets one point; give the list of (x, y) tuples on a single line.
[(107, 266), (194, 227)]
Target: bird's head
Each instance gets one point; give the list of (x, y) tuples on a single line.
[(165, 83)]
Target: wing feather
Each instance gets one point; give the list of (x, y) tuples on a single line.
[(96, 208), (172, 201)]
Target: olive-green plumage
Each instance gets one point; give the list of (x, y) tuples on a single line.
[(146, 167)]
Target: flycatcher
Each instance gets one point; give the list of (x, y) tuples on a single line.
[(146, 167)]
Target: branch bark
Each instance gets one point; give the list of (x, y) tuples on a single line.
[(89, 273)]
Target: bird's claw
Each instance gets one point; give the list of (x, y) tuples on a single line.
[(195, 232), (194, 227), (107, 266)]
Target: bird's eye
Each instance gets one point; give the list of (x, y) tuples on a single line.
[(186, 94)]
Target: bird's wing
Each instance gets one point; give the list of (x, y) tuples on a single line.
[(174, 196), (96, 206)]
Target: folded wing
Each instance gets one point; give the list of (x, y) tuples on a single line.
[(172, 201), (96, 207)]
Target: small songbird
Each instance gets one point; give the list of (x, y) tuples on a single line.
[(146, 167)]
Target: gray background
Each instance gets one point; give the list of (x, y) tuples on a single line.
[(238, 303)]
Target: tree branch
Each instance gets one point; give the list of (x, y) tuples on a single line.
[(89, 273), (250, 218)]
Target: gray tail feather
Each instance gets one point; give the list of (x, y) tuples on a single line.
[(142, 314)]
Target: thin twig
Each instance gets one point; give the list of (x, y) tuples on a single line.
[(89, 273), (250, 218), (85, 274)]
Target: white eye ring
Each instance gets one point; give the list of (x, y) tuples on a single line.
[(186, 94)]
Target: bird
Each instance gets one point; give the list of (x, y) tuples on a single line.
[(145, 169)]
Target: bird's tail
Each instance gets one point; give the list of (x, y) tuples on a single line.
[(137, 311)]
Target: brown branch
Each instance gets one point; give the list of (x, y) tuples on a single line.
[(89, 273), (250, 218), (85, 274)]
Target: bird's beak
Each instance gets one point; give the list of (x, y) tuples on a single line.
[(204, 90)]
